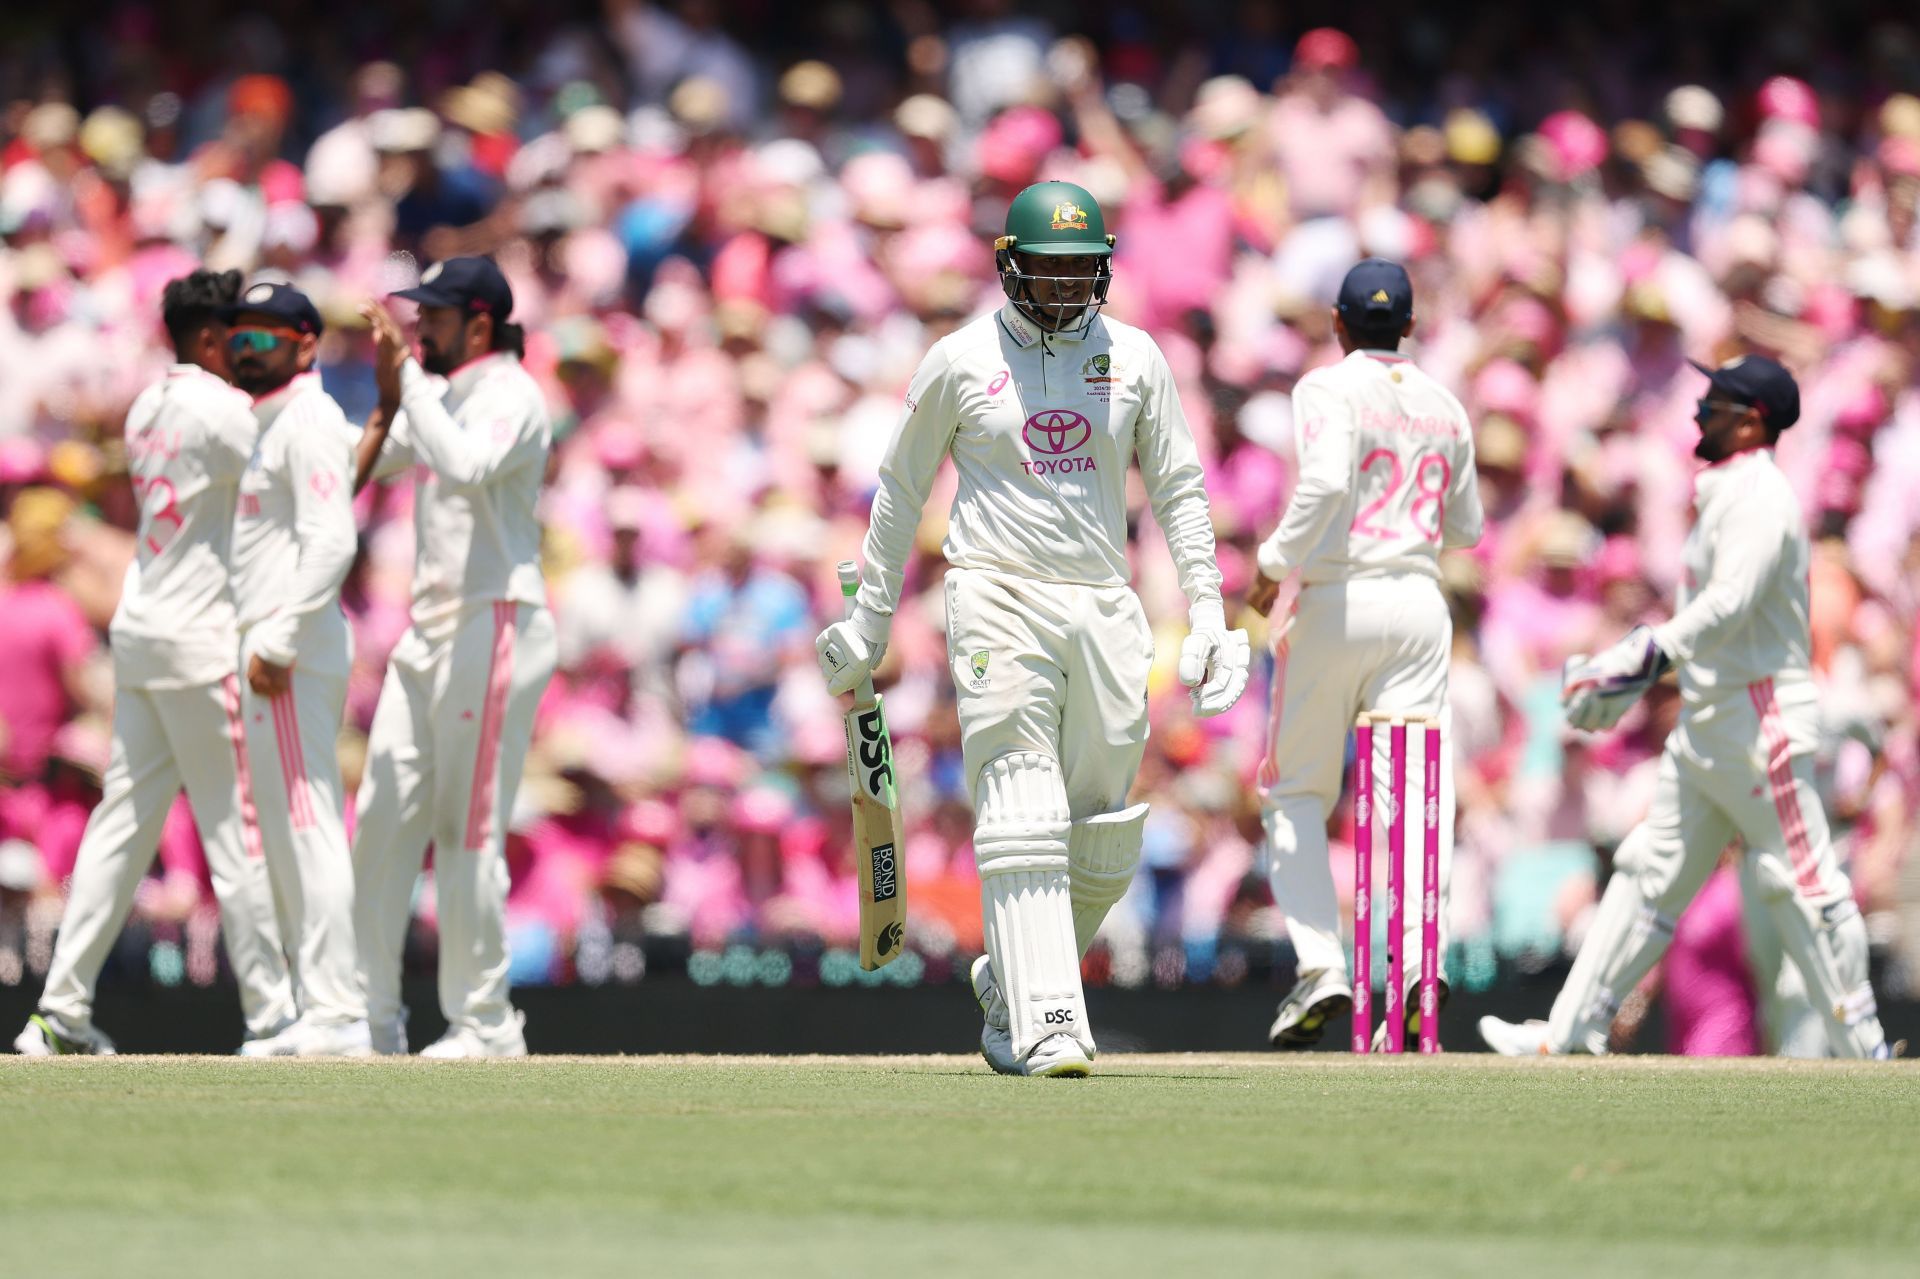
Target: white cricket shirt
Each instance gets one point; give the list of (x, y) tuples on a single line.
[(189, 436), (479, 440), (1742, 620), (293, 534), (1386, 474), (1041, 429)]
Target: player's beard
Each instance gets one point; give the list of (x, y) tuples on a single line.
[(256, 378), (1711, 447), (433, 360)]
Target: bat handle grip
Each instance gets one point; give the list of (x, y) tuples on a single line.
[(849, 573)]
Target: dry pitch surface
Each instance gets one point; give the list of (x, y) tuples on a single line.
[(1174, 1165)]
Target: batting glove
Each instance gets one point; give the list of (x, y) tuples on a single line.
[(846, 656), (1214, 661), (1598, 691)]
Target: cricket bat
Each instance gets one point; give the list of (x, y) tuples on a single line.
[(876, 815)]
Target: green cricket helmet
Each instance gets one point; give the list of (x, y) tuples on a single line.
[(1054, 219)]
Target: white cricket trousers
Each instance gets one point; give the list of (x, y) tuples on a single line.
[(449, 740), (292, 740), (1052, 668), (1378, 644), (163, 739)]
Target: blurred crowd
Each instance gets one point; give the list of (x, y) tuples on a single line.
[(732, 231)]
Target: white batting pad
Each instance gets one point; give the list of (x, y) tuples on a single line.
[(1020, 843), (1103, 851)]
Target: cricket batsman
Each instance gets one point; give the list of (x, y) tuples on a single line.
[(1386, 482), (1740, 762), (176, 715), (455, 717), (293, 542), (1042, 405)]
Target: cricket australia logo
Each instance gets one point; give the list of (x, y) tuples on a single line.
[(1052, 433), (1098, 374), (1069, 217), (978, 664)]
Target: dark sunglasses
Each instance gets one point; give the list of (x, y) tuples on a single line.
[(259, 341), (1732, 406)]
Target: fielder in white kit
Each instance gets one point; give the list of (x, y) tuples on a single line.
[(1042, 405), (1740, 762), (176, 714), (1386, 482), (455, 718), (293, 542)]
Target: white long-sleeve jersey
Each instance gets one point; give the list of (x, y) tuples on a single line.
[(1742, 619), (293, 535), (1041, 430), (189, 436), (479, 441), (1386, 474)]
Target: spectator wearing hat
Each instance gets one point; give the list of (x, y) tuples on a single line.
[(46, 643), (455, 718), (1332, 144)]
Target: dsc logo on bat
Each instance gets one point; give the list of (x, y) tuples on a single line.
[(874, 755)]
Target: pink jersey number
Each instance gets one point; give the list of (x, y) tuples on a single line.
[(162, 507), (1363, 523), (1368, 522)]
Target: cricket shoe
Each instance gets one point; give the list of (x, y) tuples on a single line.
[(314, 1039), (463, 1042), (1318, 997), (256, 1037), (1058, 1056), (46, 1035), (996, 1034), (1516, 1039), (1412, 1042)]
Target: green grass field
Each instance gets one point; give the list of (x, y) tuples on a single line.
[(931, 1166)]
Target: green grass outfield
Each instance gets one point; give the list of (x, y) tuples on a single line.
[(1177, 1165)]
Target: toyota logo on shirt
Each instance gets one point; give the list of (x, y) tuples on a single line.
[(1056, 431)]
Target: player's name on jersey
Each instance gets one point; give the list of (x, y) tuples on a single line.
[(1372, 419)]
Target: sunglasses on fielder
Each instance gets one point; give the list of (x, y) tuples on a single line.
[(258, 340)]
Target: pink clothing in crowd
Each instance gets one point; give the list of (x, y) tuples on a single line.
[(44, 638), (1708, 991)]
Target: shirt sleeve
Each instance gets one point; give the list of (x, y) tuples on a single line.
[(1748, 541), (1463, 520), (1326, 477), (397, 454), (489, 446), (1176, 486), (317, 469), (921, 441)]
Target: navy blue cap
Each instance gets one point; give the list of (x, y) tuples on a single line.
[(1761, 382), (475, 285), (1376, 294), (282, 302)]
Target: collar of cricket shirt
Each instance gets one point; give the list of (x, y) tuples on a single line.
[(267, 407), (468, 375), (1713, 475), (1025, 333)]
